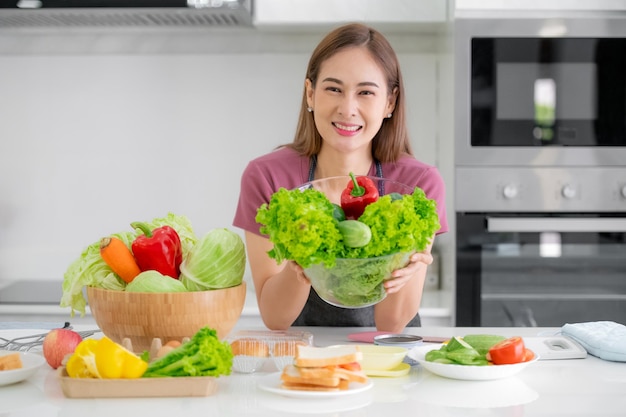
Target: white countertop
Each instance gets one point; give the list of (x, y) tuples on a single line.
[(574, 387)]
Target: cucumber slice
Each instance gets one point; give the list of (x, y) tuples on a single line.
[(457, 343)]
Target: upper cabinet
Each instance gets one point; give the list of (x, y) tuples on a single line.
[(292, 15), (234, 26), (305, 14)]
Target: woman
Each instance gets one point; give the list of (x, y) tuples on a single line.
[(352, 119)]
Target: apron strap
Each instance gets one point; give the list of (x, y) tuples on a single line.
[(379, 169)]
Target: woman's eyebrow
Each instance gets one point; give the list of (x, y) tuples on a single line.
[(361, 84)]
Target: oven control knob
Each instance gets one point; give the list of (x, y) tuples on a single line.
[(510, 191), (569, 191), (624, 191)]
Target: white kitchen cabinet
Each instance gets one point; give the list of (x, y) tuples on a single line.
[(306, 13)]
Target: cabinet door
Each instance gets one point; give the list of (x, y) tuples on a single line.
[(321, 12)]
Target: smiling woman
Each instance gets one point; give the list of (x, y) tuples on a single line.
[(352, 120)]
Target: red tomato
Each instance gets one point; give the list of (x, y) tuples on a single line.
[(528, 355), (508, 351)]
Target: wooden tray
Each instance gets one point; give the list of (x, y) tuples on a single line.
[(192, 386)]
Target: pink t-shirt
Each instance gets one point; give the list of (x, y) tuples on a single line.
[(285, 168)]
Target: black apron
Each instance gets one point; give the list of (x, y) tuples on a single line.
[(317, 312)]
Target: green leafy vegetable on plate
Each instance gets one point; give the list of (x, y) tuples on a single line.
[(467, 350), (203, 355)]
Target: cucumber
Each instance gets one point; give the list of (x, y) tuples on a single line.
[(338, 213), (355, 234)]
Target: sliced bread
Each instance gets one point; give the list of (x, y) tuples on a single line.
[(10, 362)]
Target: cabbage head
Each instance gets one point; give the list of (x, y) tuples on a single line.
[(154, 281), (218, 260)]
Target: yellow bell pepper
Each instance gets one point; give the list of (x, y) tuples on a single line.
[(82, 363), (115, 361), (104, 358)]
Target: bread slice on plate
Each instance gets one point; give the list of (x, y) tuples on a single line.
[(323, 369), (10, 362), (323, 377), (310, 356)]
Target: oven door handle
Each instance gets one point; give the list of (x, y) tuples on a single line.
[(556, 224)]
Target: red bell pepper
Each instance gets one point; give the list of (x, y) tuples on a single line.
[(359, 192), (159, 249)]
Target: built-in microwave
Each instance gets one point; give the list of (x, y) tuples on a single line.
[(541, 91), (534, 92)]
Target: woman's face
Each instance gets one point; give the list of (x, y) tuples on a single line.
[(350, 100)]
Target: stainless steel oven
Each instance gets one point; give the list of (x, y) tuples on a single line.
[(540, 169)]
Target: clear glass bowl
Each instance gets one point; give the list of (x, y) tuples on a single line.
[(355, 283)]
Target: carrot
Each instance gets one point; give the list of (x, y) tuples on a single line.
[(119, 258)]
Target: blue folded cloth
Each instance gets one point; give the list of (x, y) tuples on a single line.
[(604, 339)]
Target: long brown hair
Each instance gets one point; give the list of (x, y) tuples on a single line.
[(392, 140)]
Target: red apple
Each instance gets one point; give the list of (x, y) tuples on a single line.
[(57, 344)]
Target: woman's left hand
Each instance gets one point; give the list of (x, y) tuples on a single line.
[(400, 277)]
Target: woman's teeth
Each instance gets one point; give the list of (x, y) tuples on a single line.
[(348, 128)]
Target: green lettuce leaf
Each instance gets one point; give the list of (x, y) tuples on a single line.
[(301, 226), (407, 224)]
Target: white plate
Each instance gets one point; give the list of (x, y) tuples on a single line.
[(272, 383), (31, 363), (466, 372)]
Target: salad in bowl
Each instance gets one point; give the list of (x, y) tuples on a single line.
[(349, 233)]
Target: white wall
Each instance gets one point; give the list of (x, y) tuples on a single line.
[(94, 137)]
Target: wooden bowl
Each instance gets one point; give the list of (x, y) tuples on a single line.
[(141, 316)]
